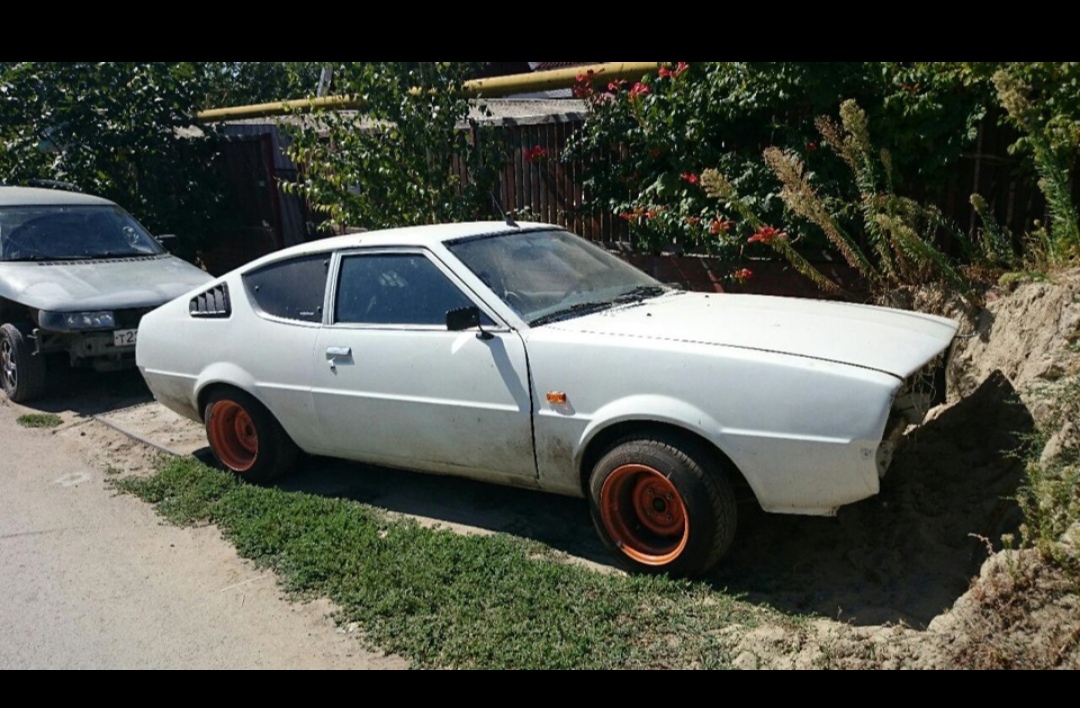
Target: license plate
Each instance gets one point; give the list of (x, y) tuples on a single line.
[(125, 337)]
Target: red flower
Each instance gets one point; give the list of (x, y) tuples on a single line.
[(616, 85), (673, 73), (639, 89), (767, 234), (719, 226), (583, 88), (742, 275), (811, 146), (693, 220), (534, 154), (690, 177)]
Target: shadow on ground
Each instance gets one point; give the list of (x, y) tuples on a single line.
[(902, 557), (907, 554), (86, 392), (557, 521)]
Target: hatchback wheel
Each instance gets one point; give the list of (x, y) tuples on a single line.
[(22, 373)]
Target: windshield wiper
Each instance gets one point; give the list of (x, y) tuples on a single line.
[(578, 309), (105, 254), (640, 293)]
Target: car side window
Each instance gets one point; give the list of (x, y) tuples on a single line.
[(395, 289), (291, 289)]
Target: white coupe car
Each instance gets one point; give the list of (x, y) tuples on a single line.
[(522, 354)]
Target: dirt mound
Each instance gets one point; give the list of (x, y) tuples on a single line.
[(921, 576)]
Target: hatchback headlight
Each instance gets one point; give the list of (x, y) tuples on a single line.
[(76, 321)]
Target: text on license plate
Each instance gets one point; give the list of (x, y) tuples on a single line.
[(125, 337)]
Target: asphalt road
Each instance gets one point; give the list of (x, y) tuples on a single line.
[(92, 579)]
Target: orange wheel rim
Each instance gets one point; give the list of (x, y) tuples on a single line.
[(233, 436), (644, 515)]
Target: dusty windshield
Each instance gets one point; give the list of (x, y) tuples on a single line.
[(553, 274), (41, 233)]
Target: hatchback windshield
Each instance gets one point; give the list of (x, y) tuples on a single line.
[(40, 233), (546, 275)]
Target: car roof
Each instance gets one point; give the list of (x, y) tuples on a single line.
[(37, 196), (424, 236)]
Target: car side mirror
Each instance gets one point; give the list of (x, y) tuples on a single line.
[(466, 318)]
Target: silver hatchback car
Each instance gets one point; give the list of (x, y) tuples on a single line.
[(77, 273)]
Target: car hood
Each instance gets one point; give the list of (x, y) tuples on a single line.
[(896, 342), (99, 284)]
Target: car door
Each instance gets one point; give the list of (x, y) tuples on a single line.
[(392, 385)]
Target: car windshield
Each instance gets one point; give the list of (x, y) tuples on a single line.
[(548, 275), (43, 233)]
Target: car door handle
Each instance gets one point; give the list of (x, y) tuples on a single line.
[(332, 352)]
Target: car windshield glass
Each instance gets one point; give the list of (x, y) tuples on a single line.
[(548, 275), (40, 233)]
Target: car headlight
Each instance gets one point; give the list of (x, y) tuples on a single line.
[(75, 321)]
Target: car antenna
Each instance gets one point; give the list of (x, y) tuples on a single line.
[(498, 207)]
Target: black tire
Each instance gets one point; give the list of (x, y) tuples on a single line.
[(22, 372), (245, 437), (662, 505)]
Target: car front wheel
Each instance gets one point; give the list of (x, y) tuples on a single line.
[(246, 438), (661, 505), (22, 373)]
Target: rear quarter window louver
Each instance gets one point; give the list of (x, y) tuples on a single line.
[(212, 303)]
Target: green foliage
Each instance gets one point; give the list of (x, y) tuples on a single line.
[(414, 154), (1050, 498), (120, 130), (895, 241), (995, 242), (39, 420), (647, 144), (1051, 503), (442, 599), (1042, 99), (242, 83)]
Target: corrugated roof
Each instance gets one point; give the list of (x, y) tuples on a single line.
[(549, 65), (513, 111)]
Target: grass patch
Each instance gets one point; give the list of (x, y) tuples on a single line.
[(445, 600), (1027, 611), (39, 420), (1050, 498)]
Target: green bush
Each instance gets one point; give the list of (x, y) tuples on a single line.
[(121, 130), (414, 154), (646, 144)]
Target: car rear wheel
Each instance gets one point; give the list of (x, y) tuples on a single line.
[(246, 438), (662, 505), (22, 373)]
